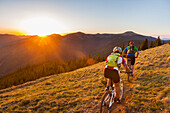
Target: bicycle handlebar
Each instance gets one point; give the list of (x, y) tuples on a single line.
[(125, 56), (125, 72)]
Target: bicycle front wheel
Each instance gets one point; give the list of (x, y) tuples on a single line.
[(104, 108)]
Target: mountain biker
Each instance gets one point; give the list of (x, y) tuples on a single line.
[(131, 50), (111, 71)]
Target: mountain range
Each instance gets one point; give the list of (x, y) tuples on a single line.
[(19, 51)]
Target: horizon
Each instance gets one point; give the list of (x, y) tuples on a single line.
[(63, 34), (98, 16)]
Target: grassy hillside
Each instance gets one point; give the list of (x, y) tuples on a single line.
[(152, 82), (63, 92), (81, 90)]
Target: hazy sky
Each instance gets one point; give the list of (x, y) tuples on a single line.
[(148, 17)]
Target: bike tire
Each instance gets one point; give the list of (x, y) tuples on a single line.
[(129, 65), (104, 107)]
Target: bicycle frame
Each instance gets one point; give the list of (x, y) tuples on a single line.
[(113, 93)]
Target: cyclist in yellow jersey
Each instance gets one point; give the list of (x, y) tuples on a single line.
[(111, 71)]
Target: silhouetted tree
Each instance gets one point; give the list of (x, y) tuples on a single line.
[(151, 45), (128, 43), (144, 44), (139, 47), (157, 42), (98, 58)]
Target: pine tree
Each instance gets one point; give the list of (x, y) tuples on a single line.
[(163, 42), (144, 44), (155, 43), (139, 47), (151, 44), (159, 41), (98, 58)]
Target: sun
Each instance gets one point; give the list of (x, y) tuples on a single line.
[(41, 26)]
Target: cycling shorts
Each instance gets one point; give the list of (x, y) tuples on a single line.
[(132, 57), (112, 74)]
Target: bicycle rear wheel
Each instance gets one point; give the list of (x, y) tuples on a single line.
[(104, 107), (129, 65)]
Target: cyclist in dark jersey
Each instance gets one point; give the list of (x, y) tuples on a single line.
[(131, 50)]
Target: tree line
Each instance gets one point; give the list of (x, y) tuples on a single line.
[(145, 44), (33, 72), (155, 43)]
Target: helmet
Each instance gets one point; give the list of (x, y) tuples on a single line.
[(131, 43), (119, 49)]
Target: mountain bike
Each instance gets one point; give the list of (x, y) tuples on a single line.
[(129, 65), (109, 96)]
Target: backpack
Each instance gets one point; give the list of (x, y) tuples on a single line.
[(113, 60), (131, 49)]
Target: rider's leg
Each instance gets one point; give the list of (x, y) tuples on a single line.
[(117, 85), (108, 82), (132, 67), (127, 62)]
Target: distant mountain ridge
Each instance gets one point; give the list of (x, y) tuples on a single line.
[(19, 51)]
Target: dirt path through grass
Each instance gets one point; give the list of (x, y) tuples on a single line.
[(128, 89)]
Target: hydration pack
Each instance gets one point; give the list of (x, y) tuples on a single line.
[(131, 49), (112, 60)]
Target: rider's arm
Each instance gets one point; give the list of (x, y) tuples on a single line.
[(137, 54), (107, 59), (123, 53), (136, 51), (125, 65), (125, 50)]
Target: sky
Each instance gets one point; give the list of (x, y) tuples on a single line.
[(43, 17)]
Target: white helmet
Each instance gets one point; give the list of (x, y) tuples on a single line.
[(119, 49)]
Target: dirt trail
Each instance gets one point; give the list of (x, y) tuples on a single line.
[(128, 88)]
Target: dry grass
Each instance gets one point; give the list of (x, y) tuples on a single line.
[(58, 93), (151, 91)]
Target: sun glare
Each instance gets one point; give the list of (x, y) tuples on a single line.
[(41, 26)]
